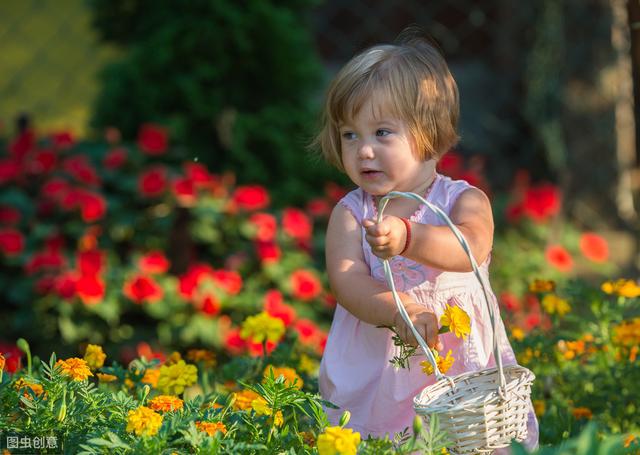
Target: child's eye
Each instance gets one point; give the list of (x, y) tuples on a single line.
[(382, 132), (349, 135)]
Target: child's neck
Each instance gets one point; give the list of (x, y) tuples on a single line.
[(404, 207)]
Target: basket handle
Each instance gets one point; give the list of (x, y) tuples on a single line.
[(465, 246)]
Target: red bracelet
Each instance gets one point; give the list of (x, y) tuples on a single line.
[(407, 241)]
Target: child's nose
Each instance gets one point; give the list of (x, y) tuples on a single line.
[(365, 151)]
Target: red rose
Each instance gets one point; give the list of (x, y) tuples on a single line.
[(65, 285), (210, 305), (9, 170), (152, 139), (184, 191), (11, 242), (90, 289), (79, 168), (9, 215), (93, 206), (451, 164), (266, 226), (253, 197), (559, 258), (153, 182), (63, 140), (115, 158), (228, 280), (198, 174), (541, 202), (268, 252), (305, 285), (90, 262), (296, 224), (42, 162), (142, 289), (594, 247), (47, 259), (55, 188), (154, 262)]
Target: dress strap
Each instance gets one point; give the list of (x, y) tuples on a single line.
[(354, 202)]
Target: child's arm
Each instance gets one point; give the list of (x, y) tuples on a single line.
[(437, 246), (366, 298)]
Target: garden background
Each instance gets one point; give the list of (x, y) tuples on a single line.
[(158, 200)]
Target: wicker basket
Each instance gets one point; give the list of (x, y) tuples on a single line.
[(483, 410)]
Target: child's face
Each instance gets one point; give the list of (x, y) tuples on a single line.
[(378, 152)]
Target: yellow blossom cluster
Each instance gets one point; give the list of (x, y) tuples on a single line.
[(77, 369), (94, 356), (242, 400), (308, 365), (338, 441), (572, 349), (262, 327), (526, 356), (627, 333), (173, 379), (151, 376), (144, 421), (457, 320), (540, 286), (289, 374), (444, 363), (261, 407), (553, 304), (622, 288), (211, 428), (166, 403), (517, 334)]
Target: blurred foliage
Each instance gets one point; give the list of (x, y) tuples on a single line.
[(233, 81)]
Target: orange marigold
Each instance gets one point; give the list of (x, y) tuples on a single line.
[(166, 403), (243, 399), (151, 377), (77, 369), (582, 413), (289, 374), (211, 428)]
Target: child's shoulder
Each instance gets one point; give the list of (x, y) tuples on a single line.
[(449, 190)]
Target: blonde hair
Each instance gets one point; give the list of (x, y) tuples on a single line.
[(412, 80)]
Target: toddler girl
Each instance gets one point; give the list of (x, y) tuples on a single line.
[(389, 115)]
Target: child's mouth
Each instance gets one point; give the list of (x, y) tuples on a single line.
[(370, 174)]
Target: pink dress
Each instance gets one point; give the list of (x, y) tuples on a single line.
[(355, 373)]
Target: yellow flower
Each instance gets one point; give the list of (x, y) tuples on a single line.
[(308, 365), (278, 420), (444, 363), (103, 377), (143, 421), (151, 377), (627, 333), (242, 400), (2, 361), (622, 288), (208, 358), (554, 304), (629, 439), (74, 367), (539, 407), (338, 441), (94, 356), (582, 413), (175, 378), (289, 374), (261, 327), (173, 358), (166, 403), (517, 333), (457, 320), (260, 406), (35, 388), (211, 428), (540, 286)]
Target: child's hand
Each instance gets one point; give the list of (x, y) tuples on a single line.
[(425, 322), (387, 238)]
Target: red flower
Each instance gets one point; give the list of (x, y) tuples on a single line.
[(268, 252), (594, 247), (93, 206), (198, 174), (532, 321), (12, 356), (253, 197), (184, 191), (42, 162), (257, 349), (451, 164), (266, 226), (541, 202), (190, 280), (141, 289), (145, 350), (11, 242), (90, 289), (152, 139), (22, 144), (9, 170), (79, 168), (154, 262), (307, 331), (65, 285), (210, 305), (509, 301), (47, 259), (63, 140), (9, 215), (319, 208), (334, 192), (233, 342), (305, 285), (153, 182), (559, 258), (274, 305), (514, 212), (228, 280), (115, 158), (90, 262), (296, 224), (56, 188)]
